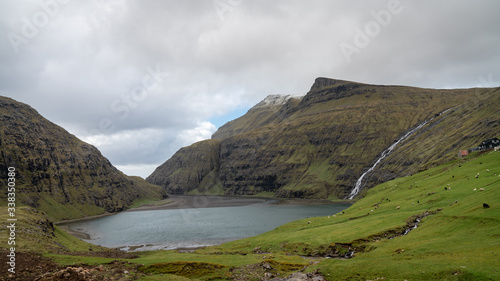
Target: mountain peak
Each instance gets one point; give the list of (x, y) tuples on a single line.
[(323, 82), (276, 100)]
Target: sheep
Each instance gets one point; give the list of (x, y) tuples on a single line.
[(308, 222), (481, 189), (398, 207), (475, 189)]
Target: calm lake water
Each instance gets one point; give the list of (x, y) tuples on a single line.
[(195, 227)]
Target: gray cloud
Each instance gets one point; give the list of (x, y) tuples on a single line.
[(87, 65)]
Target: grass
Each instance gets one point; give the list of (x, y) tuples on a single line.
[(459, 242), (150, 201)]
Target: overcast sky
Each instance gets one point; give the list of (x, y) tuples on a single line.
[(141, 79)]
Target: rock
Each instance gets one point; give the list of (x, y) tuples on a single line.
[(266, 266), (297, 276), (257, 250), (268, 276)]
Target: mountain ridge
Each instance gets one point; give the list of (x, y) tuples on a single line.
[(58, 173), (318, 146)]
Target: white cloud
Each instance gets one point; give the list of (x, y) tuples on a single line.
[(140, 170), (81, 67), (203, 131)]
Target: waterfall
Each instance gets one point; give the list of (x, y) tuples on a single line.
[(386, 153)]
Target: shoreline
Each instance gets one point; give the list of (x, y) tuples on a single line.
[(85, 218), (203, 201), (78, 234), (175, 202), (219, 201)]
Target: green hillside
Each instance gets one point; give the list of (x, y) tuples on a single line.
[(59, 174), (456, 239), (319, 145)]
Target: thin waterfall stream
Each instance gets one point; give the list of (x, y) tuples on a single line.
[(387, 152)]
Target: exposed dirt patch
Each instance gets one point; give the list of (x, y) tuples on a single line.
[(33, 266)]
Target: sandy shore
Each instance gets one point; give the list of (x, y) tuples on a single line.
[(77, 234), (84, 219), (189, 202)]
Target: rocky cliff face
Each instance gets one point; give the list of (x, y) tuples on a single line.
[(59, 174), (319, 145), (191, 168)]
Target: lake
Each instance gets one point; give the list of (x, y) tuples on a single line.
[(195, 227)]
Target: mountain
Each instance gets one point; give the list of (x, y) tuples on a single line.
[(58, 173), (318, 145), (272, 109)]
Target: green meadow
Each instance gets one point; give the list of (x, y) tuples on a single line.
[(457, 237)]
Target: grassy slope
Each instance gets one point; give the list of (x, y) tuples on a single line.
[(460, 242), (461, 239), (34, 232)]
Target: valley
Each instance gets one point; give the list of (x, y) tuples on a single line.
[(412, 210), (457, 240)]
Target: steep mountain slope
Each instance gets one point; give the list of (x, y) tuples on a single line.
[(191, 168), (462, 127), (318, 146), (273, 108), (58, 173)]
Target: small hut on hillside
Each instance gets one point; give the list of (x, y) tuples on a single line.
[(462, 154), (489, 144)]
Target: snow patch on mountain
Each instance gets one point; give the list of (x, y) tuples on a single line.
[(276, 100)]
